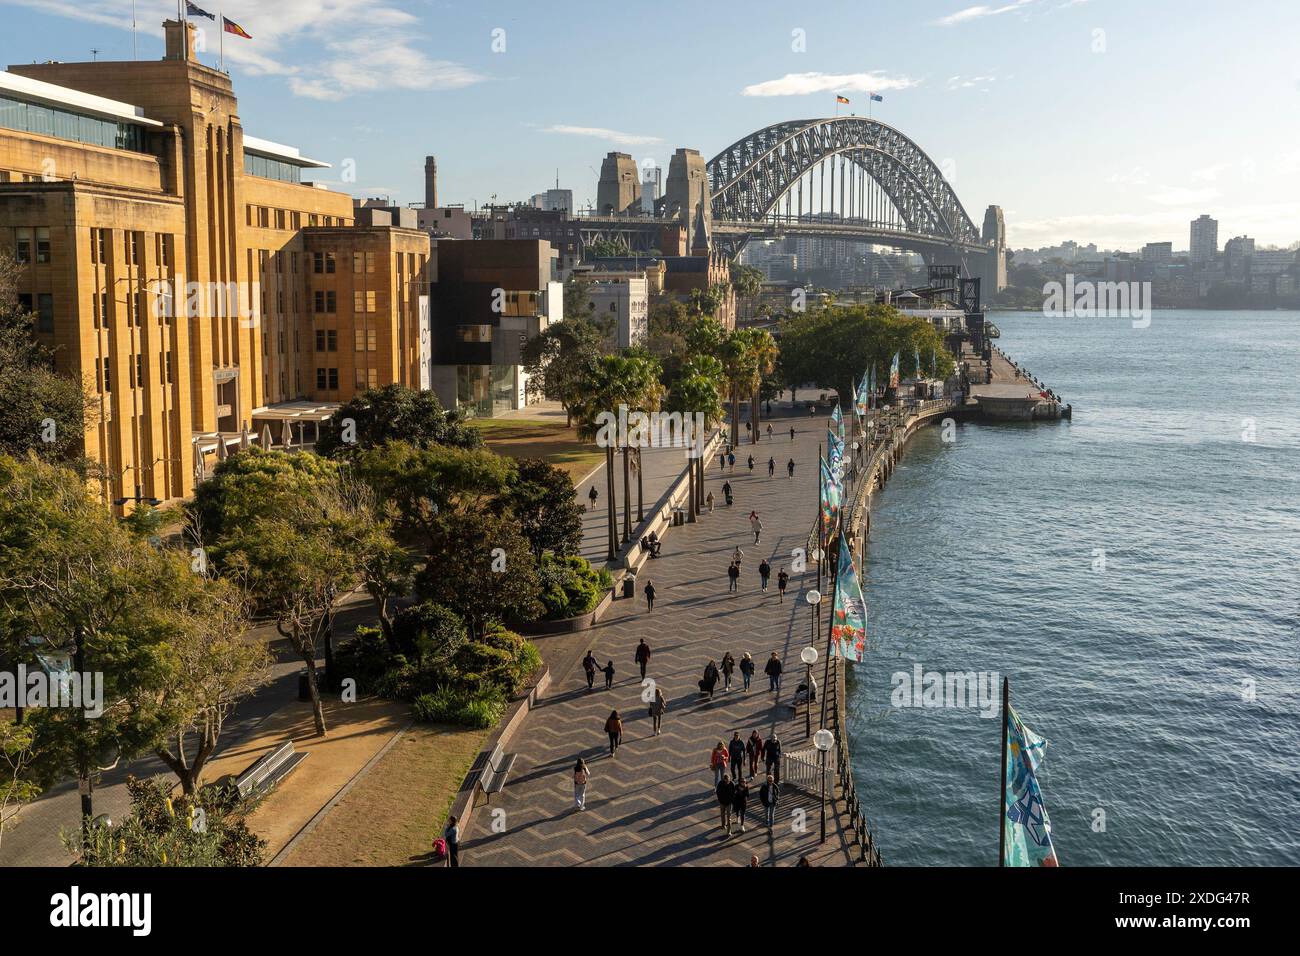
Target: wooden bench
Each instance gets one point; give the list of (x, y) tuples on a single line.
[(268, 770), (492, 778)]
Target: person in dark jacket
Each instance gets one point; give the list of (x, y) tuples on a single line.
[(649, 596), (643, 656), (451, 836), (768, 794), (589, 667), (733, 576), (593, 495), (614, 727), (710, 678), (789, 468), (739, 801), (728, 668), (754, 751), (772, 756), (773, 671), (608, 671), (747, 668), (782, 579), (726, 793), (764, 572), (726, 492), (736, 751)]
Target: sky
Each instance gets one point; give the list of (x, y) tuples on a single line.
[(1107, 121)]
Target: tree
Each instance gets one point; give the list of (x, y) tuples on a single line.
[(543, 502), (395, 413), (763, 354), (747, 281), (559, 358), (481, 567), (739, 366), (41, 411), (16, 753), (698, 388), (577, 299)]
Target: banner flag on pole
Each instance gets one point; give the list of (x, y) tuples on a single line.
[(1026, 828), (230, 26), (864, 396), (837, 419), (834, 454), (893, 371), (194, 10), (830, 496), (849, 617)]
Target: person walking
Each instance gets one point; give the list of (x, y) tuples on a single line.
[(593, 495), (789, 468), (726, 793), (772, 756), (608, 671), (710, 680), (728, 667), (754, 751), (718, 762), (746, 669), (708, 500), (773, 671), (658, 707), (792, 433), (642, 656), (771, 467), (614, 727), (733, 574), (581, 777), (738, 556), (739, 802), (731, 460), (722, 460), (726, 492), (736, 753), (755, 525), (451, 836), (751, 464), (649, 597), (769, 424), (782, 579), (589, 665), (767, 795), (764, 572)]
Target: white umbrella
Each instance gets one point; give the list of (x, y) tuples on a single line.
[(244, 441), (200, 470), (286, 436), (221, 447), (266, 437)]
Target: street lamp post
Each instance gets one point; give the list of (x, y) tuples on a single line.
[(823, 740), (809, 656)]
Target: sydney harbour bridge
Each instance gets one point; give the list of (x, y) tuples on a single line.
[(844, 178)]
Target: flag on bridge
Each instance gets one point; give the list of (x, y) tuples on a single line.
[(194, 10), (849, 616), (830, 497), (842, 99), (1026, 830), (230, 26)]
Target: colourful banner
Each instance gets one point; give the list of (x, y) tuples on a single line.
[(863, 396), (1028, 832), (849, 619), (893, 372), (830, 497), (837, 419)]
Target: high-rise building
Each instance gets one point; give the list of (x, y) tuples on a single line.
[(1158, 252), (185, 272), (1204, 247), (1237, 253)]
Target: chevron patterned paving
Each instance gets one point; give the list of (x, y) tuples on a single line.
[(653, 804)]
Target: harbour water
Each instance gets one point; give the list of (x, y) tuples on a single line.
[(1136, 574)]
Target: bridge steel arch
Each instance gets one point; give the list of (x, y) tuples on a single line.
[(750, 177)]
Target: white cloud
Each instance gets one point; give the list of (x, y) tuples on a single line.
[(357, 46), (970, 82), (1137, 176), (980, 12), (597, 132), (802, 84), (1183, 196)]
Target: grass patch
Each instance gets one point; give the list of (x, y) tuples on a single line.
[(393, 813), (550, 441)]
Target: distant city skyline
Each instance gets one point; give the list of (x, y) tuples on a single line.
[(1102, 122)]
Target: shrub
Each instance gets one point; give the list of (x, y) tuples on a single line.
[(570, 586), (481, 708)]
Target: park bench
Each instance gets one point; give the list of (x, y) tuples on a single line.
[(492, 778), (268, 770)]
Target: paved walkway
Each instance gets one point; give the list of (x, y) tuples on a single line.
[(653, 804)]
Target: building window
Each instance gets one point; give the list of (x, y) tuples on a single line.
[(42, 244), (133, 249), (363, 302), (367, 378), (325, 302), (103, 309), (22, 246), (363, 262), (108, 376), (365, 340), (45, 312), (320, 379), (327, 340), (334, 379), (99, 246), (323, 263)]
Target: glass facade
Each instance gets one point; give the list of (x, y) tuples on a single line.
[(268, 168), (63, 124), (485, 390)]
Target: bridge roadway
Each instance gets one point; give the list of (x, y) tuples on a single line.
[(654, 804)]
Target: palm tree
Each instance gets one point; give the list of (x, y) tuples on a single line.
[(763, 350), (737, 361), (613, 381)]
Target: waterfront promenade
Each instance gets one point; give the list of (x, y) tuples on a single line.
[(654, 804)]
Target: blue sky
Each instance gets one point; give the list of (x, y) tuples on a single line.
[(1110, 121)]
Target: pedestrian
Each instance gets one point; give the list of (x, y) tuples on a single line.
[(451, 836), (726, 793), (710, 680), (772, 756), (593, 495), (769, 424), (771, 467), (608, 671), (767, 795), (739, 801), (755, 525), (792, 433), (782, 579), (754, 751), (614, 727), (726, 492), (738, 556), (731, 460), (753, 861), (751, 464), (581, 776), (649, 598), (746, 669), (722, 461), (736, 753), (803, 861), (764, 572), (728, 667), (708, 500), (657, 708), (589, 667), (643, 656), (733, 575), (718, 762), (773, 671), (789, 467), (747, 429)]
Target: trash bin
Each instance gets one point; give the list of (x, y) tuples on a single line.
[(629, 586), (304, 689)]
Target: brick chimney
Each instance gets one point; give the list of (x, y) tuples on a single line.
[(180, 40)]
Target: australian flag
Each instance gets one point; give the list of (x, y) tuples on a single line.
[(194, 10)]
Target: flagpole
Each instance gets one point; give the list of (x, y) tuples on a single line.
[(820, 481), (221, 40), (835, 588), (1002, 800)]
